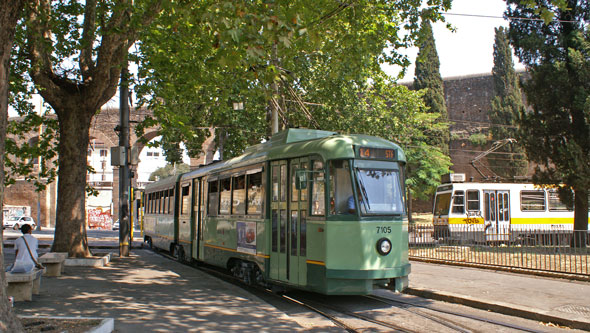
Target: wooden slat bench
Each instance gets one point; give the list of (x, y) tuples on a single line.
[(22, 286), (53, 262)]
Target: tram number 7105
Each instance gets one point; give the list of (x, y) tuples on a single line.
[(383, 230)]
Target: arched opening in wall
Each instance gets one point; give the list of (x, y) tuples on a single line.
[(100, 178), (152, 159)]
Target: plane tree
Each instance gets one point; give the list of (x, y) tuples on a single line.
[(71, 53), (11, 11)]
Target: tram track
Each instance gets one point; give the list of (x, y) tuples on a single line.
[(315, 307), (443, 321), (344, 318)]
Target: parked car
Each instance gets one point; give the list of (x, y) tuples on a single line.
[(116, 225), (16, 222)]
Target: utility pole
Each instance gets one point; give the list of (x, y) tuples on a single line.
[(275, 93), (124, 228)]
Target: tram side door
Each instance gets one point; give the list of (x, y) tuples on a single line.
[(279, 258), (297, 233), (196, 218), (497, 215)]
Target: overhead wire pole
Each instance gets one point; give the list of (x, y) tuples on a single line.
[(124, 228)]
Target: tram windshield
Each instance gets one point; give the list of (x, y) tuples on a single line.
[(442, 201), (380, 192)]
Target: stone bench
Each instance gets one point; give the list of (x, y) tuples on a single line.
[(53, 262), (22, 286)]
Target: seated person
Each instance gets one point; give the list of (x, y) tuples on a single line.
[(26, 251), (352, 205)]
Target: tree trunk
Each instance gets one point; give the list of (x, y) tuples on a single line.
[(580, 235), (11, 11), (70, 226)]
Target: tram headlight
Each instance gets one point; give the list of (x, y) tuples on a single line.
[(384, 246)]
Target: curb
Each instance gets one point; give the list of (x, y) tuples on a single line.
[(516, 270), (497, 307), (107, 325)]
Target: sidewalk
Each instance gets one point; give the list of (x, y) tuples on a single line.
[(146, 292), (149, 293), (558, 301)]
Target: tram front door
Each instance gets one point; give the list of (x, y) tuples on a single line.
[(288, 220), (497, 215)]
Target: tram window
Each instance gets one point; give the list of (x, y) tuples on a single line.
[(159, 200), (283, 238), (275, 230), (186, 200), (442, 202), (340, 187), (294, 218), (170, 201), (303, 191), (505, 206), (473, 200), (501, 208), (165, 201), (275, 183), (555, 203), (381, 191), (224, 196), (255, 193), (239, 195), (532, 201), (294, 190), (303, 234), (283, 187), (318, 204), (213, 198), (459, 202), (202, 208)]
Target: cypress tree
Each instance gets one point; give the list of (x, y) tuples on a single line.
[(427, 76), (506, 105)]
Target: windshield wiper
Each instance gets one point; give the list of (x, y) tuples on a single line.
[(363, 191)]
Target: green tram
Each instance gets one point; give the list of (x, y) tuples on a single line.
[(284, 214)]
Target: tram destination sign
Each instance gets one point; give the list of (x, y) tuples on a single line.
[(376, 153)]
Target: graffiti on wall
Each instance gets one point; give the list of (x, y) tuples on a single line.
[(99, 218), (16, 211)]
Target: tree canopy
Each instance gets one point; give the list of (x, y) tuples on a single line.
[(555, 48), (169, 170), (318, 63)]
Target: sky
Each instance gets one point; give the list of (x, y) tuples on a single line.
[(468, 50)]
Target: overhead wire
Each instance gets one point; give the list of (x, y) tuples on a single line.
[(508, 17)]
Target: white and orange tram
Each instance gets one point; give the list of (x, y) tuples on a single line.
[(479, 211)]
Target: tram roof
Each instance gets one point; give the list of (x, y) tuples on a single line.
[(162, 183), (296, 142)]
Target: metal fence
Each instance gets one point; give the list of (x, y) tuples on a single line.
[(552, 249)]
